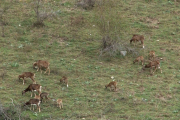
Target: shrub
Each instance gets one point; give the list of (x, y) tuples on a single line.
[(41, 15), (113, 47), (86, 4), (11, 112)]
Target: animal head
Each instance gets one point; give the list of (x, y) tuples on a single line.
[(24, 104), (34, 64), (61, 80), (23, 92), (59, 101), (19, 77), (131, 41)]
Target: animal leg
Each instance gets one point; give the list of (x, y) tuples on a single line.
[(32, 78), (115, 88), (47, 70), (57, 105), (40, 68), (39, 109), (160, 69), (151, 71), (60, 106), (143, 45), (142, 62), (39, 92), (46, 98), (155, 70), (41, 99)]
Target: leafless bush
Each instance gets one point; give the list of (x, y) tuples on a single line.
[(109, 46), (42, 14), (111, 25), (12, 112), (114, 47), (86, 4)]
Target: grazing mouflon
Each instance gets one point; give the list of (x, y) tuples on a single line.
[(64, 79), (151, 55), (42, 64), (31, 88), (137, 38), (34, 102), (27, 75), (41, 96), (112, 84), (153, 64), (59, 103), (44, 95), (139, 59)]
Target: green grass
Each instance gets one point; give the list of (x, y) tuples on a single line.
[(73, 51)]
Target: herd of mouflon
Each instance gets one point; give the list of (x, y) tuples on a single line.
[(154, 63), (40, 64)]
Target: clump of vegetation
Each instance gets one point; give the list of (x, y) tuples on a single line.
[(41, 14), (11, 112), (113, 47), (110, 47), (86, 4)]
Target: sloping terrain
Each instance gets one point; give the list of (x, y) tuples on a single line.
[(71, 41)]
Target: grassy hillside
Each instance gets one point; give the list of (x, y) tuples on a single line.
[(71, 42)]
